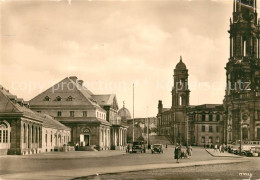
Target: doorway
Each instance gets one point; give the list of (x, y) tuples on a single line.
[(86, 139)]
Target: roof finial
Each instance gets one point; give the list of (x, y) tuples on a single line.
[(123, 104), (180, 59)]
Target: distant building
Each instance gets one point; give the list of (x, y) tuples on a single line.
[(92, 118), (23, 131), (140, 128)]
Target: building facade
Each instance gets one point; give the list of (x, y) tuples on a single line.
[(92, 118), (188, 124), (242, 97), (22, 131)]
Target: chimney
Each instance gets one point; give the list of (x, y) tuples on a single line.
[(73, 78), (160, 107), (80, 82), (20, 101)]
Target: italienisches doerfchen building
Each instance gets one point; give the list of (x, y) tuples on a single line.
[(238, 118), (92, 118)]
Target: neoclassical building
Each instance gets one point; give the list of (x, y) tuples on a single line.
[(92, 118), (23, 131), (189, 124), (242, 97)]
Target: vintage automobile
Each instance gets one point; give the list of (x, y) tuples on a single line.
[(138, 146), (157, 148)]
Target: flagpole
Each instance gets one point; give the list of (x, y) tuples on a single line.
[(133, 112)]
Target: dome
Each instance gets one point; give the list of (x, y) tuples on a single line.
[(124, 113), (180, 65)]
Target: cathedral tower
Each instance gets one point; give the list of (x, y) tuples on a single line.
[(242, 97)]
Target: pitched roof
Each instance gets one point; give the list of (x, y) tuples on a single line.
[(66, 88), (49, 122), (9, 105), (104, 99)]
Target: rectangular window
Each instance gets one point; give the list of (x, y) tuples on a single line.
[(202, 139), (0, 136), (203, 128), (85, 114), (210, 117), (210, 129), (71, 113), (218, 117), (59, 114), (217, 129), (203, 117)]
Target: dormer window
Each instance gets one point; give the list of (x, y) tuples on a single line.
[(58, 98), (47, 98), (69, 98)]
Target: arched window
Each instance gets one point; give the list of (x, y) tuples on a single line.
[(24, 134), (218, 117), (245, 133), (47, 98), (180, 100), (46, 136), (32, 135), (3, 132), (51, 138), (58, 98), (28, 136), (36, 135)]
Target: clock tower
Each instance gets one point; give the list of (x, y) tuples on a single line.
[(242, 96)]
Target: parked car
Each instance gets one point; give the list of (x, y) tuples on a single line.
[(255, 151), (157, 148), (138, 146)]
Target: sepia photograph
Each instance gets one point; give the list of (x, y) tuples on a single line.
[(129, 89)]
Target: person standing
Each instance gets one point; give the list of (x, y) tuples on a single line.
[(177, 153)]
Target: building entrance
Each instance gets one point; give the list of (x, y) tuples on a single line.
[(84, 140)]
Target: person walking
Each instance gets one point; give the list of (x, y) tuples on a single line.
[(177, 153), (220, 148), (166, 146), (190, 150)]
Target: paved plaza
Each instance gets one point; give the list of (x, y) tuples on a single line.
[(58, 165)]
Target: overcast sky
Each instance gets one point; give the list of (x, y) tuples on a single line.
[(111, 44)]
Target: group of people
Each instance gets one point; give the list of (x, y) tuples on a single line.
[(179, 154), (221, 148)]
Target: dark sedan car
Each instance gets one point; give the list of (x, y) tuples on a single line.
[(157, 148)]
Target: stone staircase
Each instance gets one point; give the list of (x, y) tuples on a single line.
[(159, 140)]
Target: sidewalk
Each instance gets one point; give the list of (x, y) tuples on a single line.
[(214, 153), (68, 155), (82, 172)]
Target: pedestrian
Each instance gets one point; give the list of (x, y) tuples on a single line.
[(220, 148), (215, 148), (177, 153), (128, 148), (223, 148), (204, 145), (190, 150), (166, 146)]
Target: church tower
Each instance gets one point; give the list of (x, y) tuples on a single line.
[(180, 102), (242, 97), (180, 91)]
